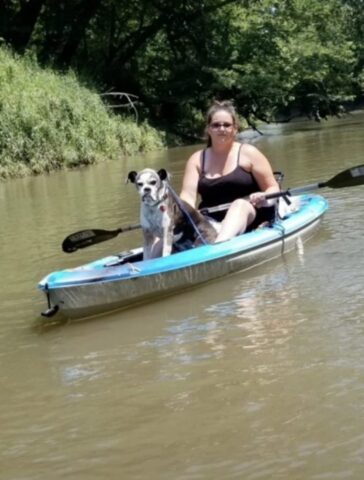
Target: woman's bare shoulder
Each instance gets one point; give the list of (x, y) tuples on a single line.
[(195, 158), (253, 154), (250, 149)]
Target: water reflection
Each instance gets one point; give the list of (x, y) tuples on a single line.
[(256, 376)]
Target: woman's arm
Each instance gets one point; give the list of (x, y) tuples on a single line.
[(190, 179), (263, 174)]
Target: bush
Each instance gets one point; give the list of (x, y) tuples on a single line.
[(49, 121)]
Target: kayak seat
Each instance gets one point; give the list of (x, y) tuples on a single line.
[(284, 205), (279, 176)]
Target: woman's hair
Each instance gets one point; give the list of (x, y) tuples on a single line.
[(226, 106)]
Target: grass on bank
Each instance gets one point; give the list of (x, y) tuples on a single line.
[(49, 121)]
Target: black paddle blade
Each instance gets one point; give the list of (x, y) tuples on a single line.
[(348, 178), (86, 238)]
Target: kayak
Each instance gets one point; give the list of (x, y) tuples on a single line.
[(123, 280)]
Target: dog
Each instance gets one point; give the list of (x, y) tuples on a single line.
[(164, 215)]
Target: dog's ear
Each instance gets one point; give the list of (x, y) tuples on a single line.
[(131, 176), (163, 174)]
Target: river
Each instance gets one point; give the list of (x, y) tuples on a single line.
[(256, 376)]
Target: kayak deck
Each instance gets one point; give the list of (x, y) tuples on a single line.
[(120, 281)]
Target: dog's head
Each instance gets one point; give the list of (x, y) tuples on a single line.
[(150, 184)]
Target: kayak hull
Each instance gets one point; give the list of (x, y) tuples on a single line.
[(118, 282)]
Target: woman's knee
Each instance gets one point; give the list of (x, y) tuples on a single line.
[(240, 205), (240, 214)]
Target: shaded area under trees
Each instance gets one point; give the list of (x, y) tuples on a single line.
[(276, 59)]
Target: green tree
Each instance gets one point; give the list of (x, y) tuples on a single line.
[(274, 58)]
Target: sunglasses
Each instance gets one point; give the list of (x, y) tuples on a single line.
[(217, 125)]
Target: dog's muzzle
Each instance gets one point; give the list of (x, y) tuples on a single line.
[(147, 196)]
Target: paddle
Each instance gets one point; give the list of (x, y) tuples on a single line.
[(347, 178), (85, 238)]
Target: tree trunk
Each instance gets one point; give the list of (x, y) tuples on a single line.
[(20, 28), (79, 24)]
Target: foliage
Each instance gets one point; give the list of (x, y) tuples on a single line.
[(300, 61), (49, 121), (276, 59)]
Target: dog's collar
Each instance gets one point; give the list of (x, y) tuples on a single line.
[(160, 204)]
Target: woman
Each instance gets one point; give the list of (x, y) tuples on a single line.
[(225, 172)]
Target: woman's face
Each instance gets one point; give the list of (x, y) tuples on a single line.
[(221, 127)]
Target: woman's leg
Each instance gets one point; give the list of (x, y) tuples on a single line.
[(240, 214)]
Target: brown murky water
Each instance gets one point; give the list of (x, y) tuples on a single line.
[(257, 376)]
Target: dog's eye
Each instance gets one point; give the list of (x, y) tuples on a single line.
[(140, 184), (153, 182)]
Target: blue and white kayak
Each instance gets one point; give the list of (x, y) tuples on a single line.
[(123, 280)]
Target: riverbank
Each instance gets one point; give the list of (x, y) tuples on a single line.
[(50, 121)]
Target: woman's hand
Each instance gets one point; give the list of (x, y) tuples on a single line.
[(258, 200)]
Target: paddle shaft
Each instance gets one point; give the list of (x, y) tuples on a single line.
[(351, 177), (85, 238)]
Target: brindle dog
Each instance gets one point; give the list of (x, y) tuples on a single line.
[(163, 215)]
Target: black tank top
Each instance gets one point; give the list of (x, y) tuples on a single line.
[(225, 189)]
